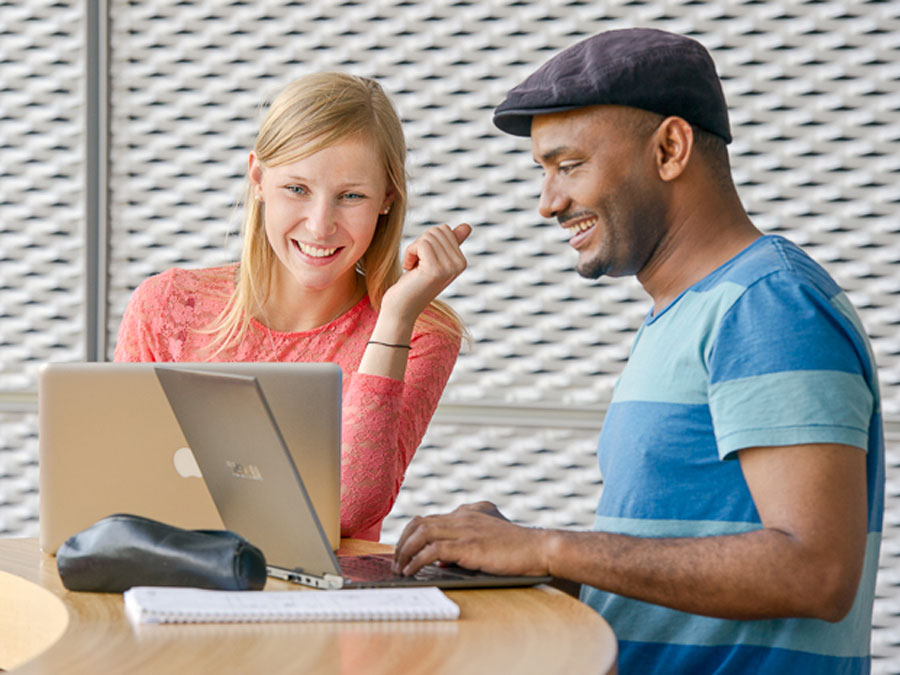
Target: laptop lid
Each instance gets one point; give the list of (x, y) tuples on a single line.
[(109, 443), (250, 474), (262, 496)]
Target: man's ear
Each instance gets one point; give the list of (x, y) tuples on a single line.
[(674, 145)]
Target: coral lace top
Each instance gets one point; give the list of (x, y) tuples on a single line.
[(383, 419)]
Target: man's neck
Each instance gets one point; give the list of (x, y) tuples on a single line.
[(696, 244)]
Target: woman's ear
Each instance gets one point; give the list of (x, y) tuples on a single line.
[(255, 174), (674, 145), (387, 203)]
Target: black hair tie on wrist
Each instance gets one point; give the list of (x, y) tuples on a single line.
[(389, 344)]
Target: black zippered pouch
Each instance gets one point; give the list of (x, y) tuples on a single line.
[(125, 550)]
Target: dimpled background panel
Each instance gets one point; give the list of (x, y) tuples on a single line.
[(41, 184), (41, 239), (814, 96), (18, 475), (812, 86)]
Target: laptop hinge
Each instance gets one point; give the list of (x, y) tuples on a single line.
[(297, 576), (333, 581)]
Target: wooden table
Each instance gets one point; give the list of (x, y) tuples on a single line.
[(46, 629)]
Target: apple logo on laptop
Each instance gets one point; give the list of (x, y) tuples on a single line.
[(186, 464)]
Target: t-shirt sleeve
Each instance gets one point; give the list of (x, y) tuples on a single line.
[(789, 366), (383, 423)]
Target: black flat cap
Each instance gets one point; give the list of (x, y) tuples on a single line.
[(639, 67)]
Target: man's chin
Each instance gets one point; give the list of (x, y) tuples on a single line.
[(590, 269), (594, 268)]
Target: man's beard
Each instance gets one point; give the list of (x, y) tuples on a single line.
[(590, 269)]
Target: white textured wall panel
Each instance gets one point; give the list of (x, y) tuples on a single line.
[(18, 475), (814, 98), (41, 179), (544, 477), (41, 213)]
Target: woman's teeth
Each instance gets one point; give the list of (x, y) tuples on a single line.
[(315, 252)]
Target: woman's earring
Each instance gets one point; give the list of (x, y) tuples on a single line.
[(386, 210)]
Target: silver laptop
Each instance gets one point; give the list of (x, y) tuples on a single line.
[(109, 443), (262, 493)]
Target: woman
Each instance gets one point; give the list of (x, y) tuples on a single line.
[(320, 279)]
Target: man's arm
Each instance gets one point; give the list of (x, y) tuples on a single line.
[(806, 560)]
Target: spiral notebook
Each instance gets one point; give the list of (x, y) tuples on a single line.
[(160, 604)]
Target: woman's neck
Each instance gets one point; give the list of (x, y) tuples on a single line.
[(294, 309)]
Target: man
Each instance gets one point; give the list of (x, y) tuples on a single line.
[(739, 525)]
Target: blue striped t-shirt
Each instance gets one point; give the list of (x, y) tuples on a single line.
[(764, 351)]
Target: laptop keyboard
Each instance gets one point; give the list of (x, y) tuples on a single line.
[(378, 568)]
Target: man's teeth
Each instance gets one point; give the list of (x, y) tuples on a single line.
[(581, 226), (314, 252)]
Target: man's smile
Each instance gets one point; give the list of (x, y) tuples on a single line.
[(577, 227)]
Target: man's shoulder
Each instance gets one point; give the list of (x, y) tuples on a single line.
[(775, 260)]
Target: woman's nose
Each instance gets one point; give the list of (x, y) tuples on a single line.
[(320, 219)]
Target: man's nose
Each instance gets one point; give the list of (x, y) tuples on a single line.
[(552, 201)]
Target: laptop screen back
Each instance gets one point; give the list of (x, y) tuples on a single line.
[(110, 443), (247, 467)]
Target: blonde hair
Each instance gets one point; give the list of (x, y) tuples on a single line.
[(312, 113)]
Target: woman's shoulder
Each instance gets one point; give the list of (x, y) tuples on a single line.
[(182, 281), (201, 290)]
